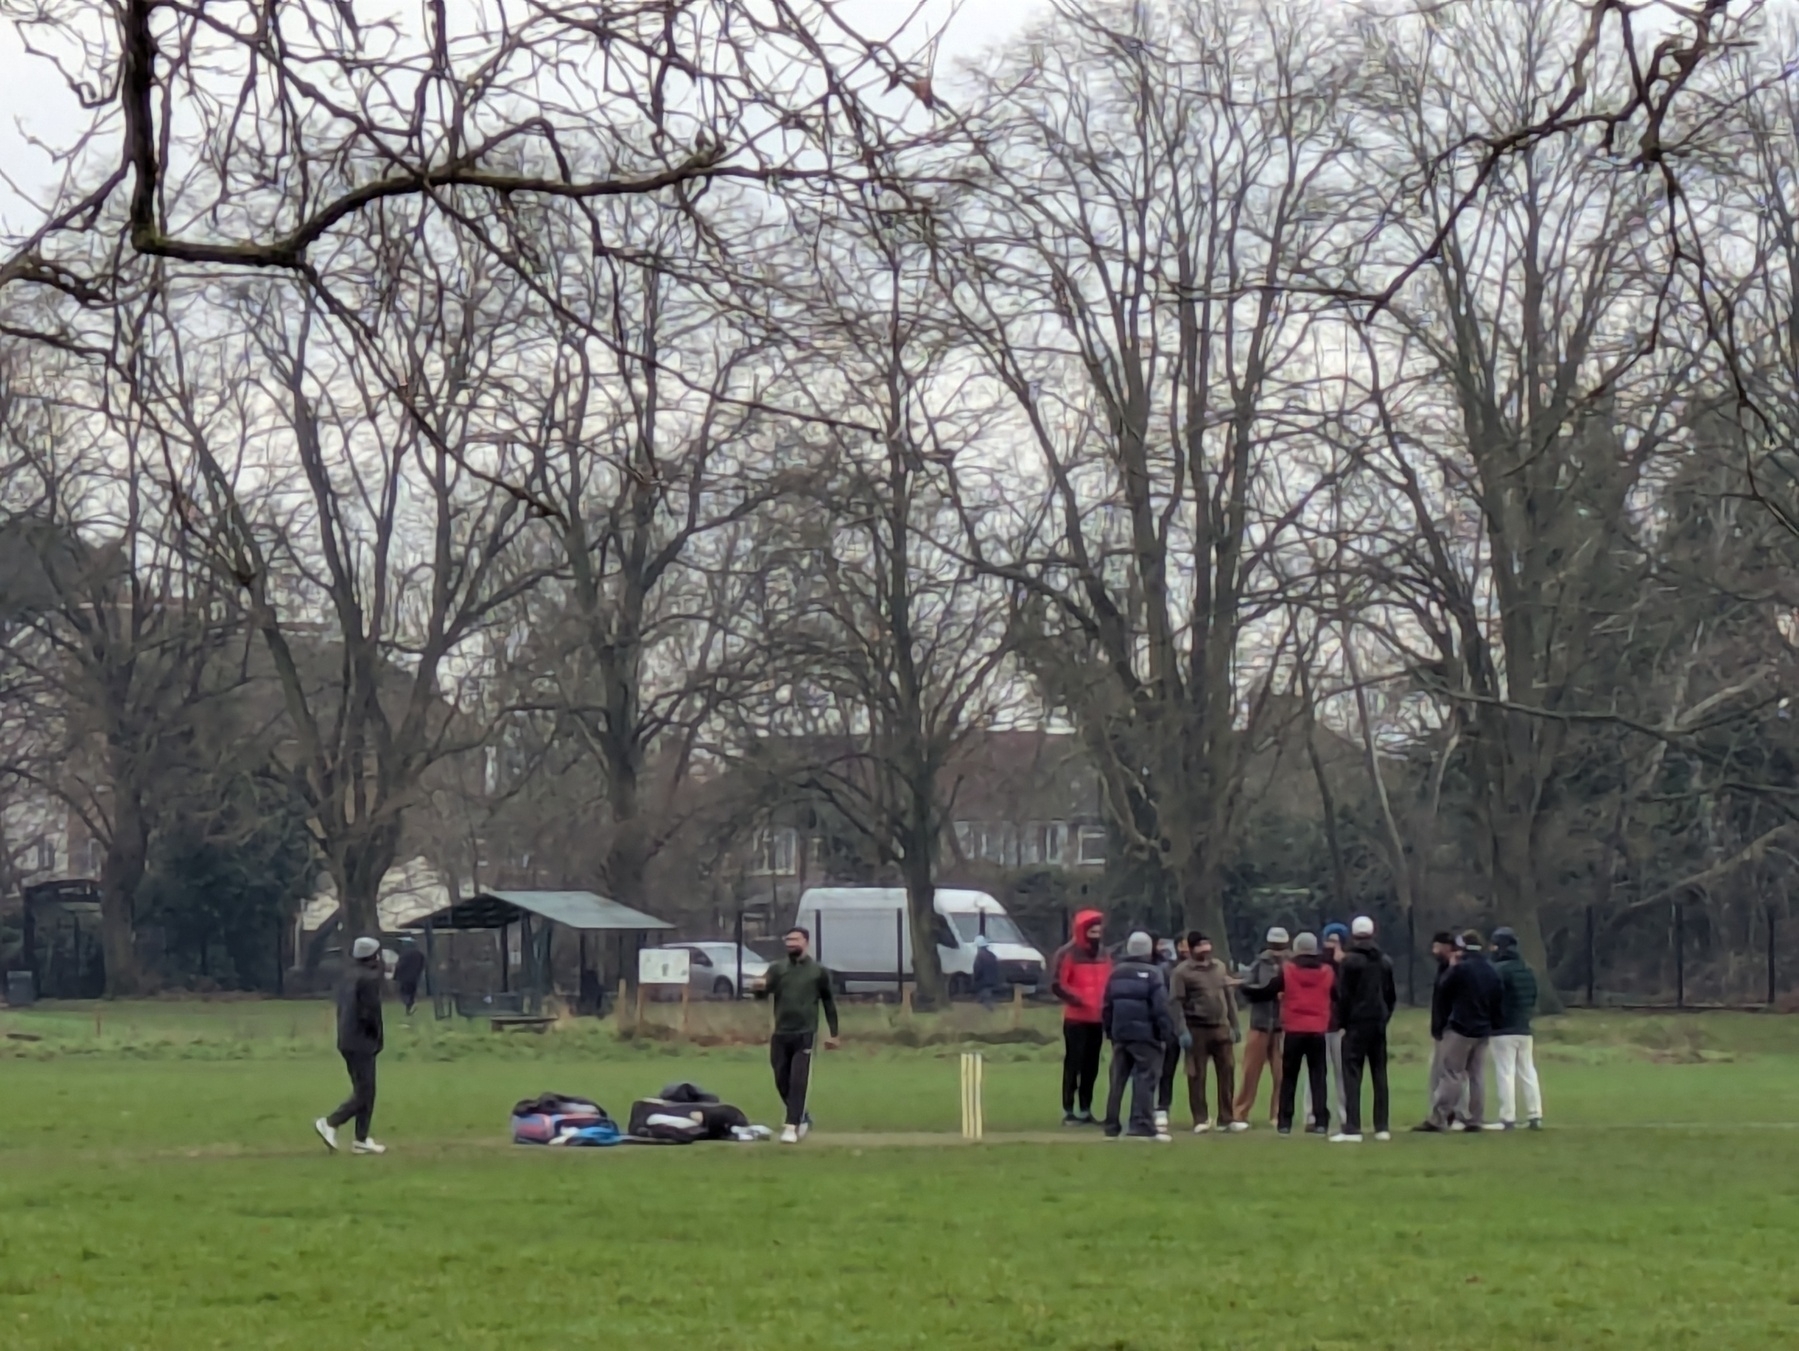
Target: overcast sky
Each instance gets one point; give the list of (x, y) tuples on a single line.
[(35, 104)]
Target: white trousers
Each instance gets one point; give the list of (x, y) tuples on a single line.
[(1515, 1066)]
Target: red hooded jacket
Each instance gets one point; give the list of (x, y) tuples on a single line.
[(1080, 972), (1306, 995)]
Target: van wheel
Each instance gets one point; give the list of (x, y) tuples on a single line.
[(722, 988), (960, 987)]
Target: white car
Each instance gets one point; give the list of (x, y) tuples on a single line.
[(712, 968)]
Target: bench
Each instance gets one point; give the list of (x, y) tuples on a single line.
[(502, 1022)]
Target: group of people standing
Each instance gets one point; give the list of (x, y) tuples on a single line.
[(1317, 1006)]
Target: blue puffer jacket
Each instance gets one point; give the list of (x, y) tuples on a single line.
[(1136, 1006)]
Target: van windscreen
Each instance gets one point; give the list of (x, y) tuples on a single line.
[(1000, 928)]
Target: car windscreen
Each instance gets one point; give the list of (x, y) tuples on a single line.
[(1000, 928)]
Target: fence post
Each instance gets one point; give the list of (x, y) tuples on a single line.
[(818, 936), (899, 955), (1592, 958), (737, 986), (1680, 954), (1773, 968)]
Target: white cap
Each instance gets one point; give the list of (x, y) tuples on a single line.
[(364, 948), (1361, 927), (1277, 937)]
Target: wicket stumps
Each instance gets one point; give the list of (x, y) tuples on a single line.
[(974, 1108)]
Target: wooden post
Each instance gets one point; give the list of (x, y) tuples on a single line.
[(1017, 1007), (622, 1002), (906, 1001), (637, 1026), (686, 995)]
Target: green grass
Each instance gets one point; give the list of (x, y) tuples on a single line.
[(159, 1188)]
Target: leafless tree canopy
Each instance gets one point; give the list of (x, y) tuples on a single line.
[(582, 439)]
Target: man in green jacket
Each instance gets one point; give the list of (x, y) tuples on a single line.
[(1203, 992), (1514, 1059), (798, 986)]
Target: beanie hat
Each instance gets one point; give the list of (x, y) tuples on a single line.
[(1336, 931), (1306, 945), (1504, 938), (364, 948), (1470, 941), (1361, 927), (1139, 944), (1277, 937)]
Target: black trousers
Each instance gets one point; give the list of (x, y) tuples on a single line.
[(1364, 1046), (790, 1055), (409, 995), (361, 1102), (1309, 1047), (1138, 1063), (1081, 1045), (1171, 1066)]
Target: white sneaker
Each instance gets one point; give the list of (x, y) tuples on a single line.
[(1383, 1135), (1202, 1127), (326, 1134), (1164, 1138), (1239, 1126), (805, 1129), (370, 1146), (1342, 1139), (1161, 1123), (1495, 1126), (790, 1135)]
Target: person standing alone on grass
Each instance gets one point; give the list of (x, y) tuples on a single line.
[(1366, 998), (1474, 995), (409, 970), (798, 987), (1307, 989), (1135, 1017), (360, 1037), (1514, 1049), (1078, 974), (988, 982), (1261, 987), (1201, 993)]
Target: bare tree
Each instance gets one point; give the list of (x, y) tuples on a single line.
[(1166, 189)]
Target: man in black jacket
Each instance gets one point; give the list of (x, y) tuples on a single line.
[(1473, 996), (359, 1041), (1136, 1019), (1366, 998), (1443, 948), (408, 972)]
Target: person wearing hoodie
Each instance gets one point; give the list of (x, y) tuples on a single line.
[(1201, 994), (1078, 974), (360, 1037), (1366, 998), (1307, 990), (1261, 989), (1514, 1058), (1136, 1019), (1474, 997)]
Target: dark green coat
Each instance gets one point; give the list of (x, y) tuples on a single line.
[(1519, 984)]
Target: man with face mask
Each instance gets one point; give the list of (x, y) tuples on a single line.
[(799, 987), (1078, 974)]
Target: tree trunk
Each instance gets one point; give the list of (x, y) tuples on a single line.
[(1202, 899), (1516, 904), (929, 989), (120, 876)]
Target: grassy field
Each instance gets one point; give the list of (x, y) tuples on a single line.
[(160, 1188)]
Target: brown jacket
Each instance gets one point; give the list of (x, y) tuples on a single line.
[(1202, 992)]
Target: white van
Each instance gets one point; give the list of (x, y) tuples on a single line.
[(861, 934)]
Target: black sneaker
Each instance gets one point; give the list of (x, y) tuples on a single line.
[(1427, 1128), (1283, 1130), (1317, 1130), (1070, 1119), (1088, 1119), (1536, 1123)]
